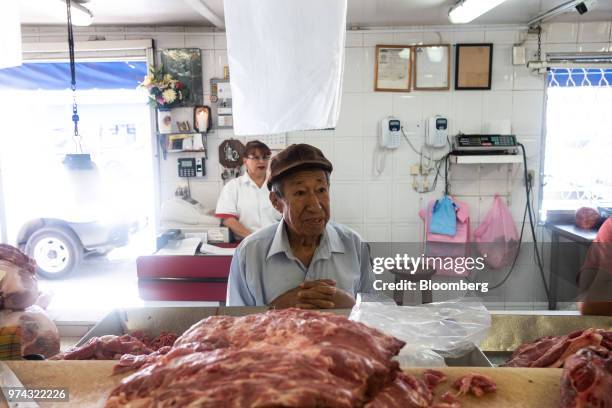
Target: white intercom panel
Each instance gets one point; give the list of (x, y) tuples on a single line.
[(390, 133), (436, 131)]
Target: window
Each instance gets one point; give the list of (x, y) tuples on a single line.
[(578, 144), (83, 225)]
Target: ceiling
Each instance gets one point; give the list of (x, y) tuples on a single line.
[(363, 13)]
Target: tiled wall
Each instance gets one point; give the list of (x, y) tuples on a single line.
[(384, 208)]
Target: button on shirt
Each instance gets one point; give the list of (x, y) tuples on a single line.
[(250, 204), (264, 267)]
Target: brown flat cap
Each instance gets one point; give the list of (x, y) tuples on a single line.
[(295, 158)]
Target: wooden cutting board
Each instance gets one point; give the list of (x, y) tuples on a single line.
[(90, 382)]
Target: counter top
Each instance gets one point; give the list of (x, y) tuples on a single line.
[(90, 382)]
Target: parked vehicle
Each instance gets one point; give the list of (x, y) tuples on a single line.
[(72, 218)]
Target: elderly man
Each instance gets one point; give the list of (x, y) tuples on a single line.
[(304, 260)]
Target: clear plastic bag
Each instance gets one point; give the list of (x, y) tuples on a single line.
[(432, 331)]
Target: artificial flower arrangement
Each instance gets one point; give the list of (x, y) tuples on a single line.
[(164, 90)]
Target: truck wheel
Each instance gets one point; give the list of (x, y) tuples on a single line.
[(57, 251)]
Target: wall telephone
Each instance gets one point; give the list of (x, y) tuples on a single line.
[(191, 167), (390, 133), (436, 131)]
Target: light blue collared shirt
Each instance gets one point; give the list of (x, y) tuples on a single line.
[(264, 267)]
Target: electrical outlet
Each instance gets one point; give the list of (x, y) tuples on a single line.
[(531, 176)]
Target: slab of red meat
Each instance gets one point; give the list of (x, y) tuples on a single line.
[(359, 353), (447, 400), (433, 377), (162, 340), (406, 391), (477, 384), (129, 362), (108, 347), (261, 376), (586, 381), (553, 351), (280, 358)]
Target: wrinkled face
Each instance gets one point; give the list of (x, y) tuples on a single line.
[(304, 202), (257, 163)]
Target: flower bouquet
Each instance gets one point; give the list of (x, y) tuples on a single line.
[(164, 91)]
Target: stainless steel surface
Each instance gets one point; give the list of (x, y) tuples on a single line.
[(508, 331), (8, 379), (178, 319)]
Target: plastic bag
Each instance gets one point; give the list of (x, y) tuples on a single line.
[(39, 335), (18, 286), (432, 331), (497, 239)]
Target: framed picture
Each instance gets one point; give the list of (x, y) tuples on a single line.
[(432, 67), (185, 64), (473, 66), (393, 71)]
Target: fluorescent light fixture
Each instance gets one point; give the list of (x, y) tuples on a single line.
[(467, 10)]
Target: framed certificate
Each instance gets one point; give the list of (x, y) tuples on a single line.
[(473, 64), (432, 67), (393, 71)]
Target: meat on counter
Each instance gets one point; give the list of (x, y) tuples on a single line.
[(552, 351), (112, 347), (586, 381), (290, 357)]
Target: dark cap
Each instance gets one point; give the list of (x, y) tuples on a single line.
[(295, 158), (256, 145)]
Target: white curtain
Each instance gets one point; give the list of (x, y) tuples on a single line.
[(286, 59)]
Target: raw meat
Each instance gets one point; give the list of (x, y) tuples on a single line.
[(108, 347), (357, 351), (433, 377), (302, 358), (447, 400), (553, 351), (129, 362), (586, 381), (39, 334), (164, 339), (586, 217), (406, 391), (477, 384), (262, 376), (18, 287)]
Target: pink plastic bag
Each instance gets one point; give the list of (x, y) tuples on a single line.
[(497, 239)]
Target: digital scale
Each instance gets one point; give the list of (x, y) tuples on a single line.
[(485, 144)]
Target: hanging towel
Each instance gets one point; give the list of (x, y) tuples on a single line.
[(286, 61), (444, 217)]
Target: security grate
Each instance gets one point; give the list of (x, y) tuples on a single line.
[(571, 77)]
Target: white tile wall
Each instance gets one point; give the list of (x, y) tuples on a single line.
[(384, 207)]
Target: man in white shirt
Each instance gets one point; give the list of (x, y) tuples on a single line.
[(244, 204)]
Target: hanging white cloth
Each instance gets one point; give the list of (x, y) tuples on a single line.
[(286, 60)]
